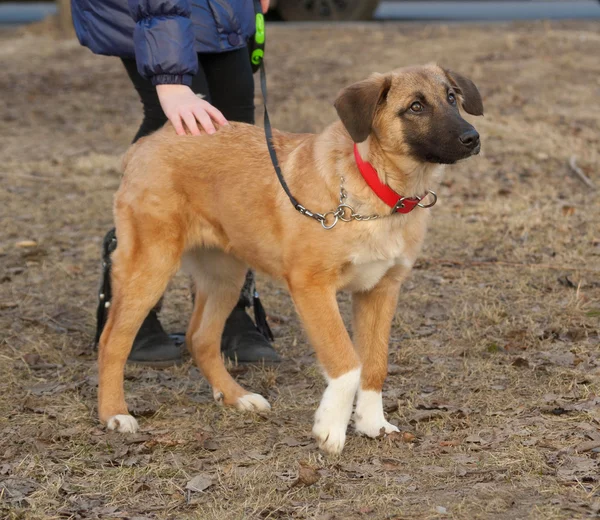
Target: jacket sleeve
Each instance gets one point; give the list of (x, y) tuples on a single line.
[(164, 41)]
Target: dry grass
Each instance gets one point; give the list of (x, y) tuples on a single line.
[(495, 349)]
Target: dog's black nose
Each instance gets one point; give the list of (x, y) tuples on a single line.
[(470, 138)]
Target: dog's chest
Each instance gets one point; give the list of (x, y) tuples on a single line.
[(378, 249)]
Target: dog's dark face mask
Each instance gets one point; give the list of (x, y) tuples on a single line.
[(433, 128), (414, 112)]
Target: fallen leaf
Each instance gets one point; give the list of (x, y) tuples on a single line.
[(210, 445), (131, 461), (566, 281), (464, 458), (256, 455), (354, 470), (16, 489), (564, 359), (578, 469), (307, 476), (520, 363), (201, 436), (454, 442), (50, 388), (32, 358), (408, 437), (68, 433), (142, 410), (436, 470), (200, 482), (136, 438), (390, 465), (587, 446), (292, 443), (163, 440), (435, 311), (426, 415)]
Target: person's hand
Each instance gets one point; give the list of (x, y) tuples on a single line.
[(181, 105), (265, 5)]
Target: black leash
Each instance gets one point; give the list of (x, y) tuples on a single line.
[(257, 53), (269, 136)]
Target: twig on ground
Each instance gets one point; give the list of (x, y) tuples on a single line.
[(579, 172)]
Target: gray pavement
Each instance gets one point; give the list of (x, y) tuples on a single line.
[(488, 11)]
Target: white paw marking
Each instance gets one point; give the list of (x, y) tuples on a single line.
[(122, 423), (253, 403), (368, 416), (333, 414)]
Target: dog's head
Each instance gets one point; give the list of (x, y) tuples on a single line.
[(414, 111)]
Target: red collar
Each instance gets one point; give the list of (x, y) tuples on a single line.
[(398, 203)]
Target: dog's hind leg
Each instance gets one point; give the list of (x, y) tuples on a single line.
[(141, 269), (218, 279), (373, 312), (318, 309)]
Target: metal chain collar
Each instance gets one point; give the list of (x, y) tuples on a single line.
[(346, 213), (343, 212)]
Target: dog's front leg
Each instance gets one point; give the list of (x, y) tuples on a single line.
[(373, 312), (318, 309)]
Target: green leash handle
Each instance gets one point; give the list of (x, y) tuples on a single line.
[(257, 48)]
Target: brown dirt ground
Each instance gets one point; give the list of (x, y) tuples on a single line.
[(495, 347)]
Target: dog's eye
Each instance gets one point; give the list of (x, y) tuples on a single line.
[(416, 107), (452, 98)]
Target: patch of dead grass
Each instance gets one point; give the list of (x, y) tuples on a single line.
[(495, 344)]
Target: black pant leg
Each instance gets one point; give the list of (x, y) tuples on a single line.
[(154, 117), (231, 83)]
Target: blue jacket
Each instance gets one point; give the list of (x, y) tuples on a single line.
[(163, 35)]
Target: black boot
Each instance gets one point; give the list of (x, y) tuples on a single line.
[(243, 342), (152, 345)]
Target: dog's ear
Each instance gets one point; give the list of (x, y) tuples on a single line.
[(356, 105), (471, 98)]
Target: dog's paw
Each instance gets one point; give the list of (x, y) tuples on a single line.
[(374, 429), (368, 416), (123, 424), (330, 435), (335, 409), (252, 403)]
